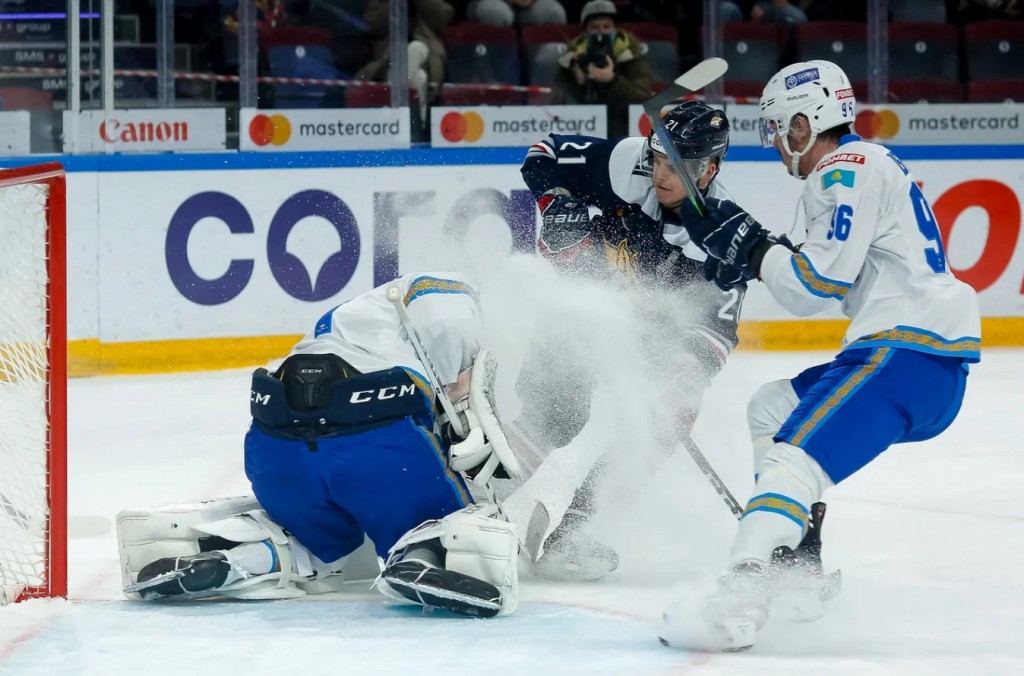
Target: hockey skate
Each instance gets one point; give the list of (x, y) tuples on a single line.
[(570, 555), (183, 575), (428, 585), (800, 586)]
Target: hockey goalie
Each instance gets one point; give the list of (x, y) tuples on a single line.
[(347, 446)]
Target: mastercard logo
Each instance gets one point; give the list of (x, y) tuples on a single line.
[(270, 129), (456, 126), (644, 126), (876, 124)]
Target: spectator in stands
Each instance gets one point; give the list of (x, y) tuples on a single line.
[(603, 65), (777, 11), (521, 12), (427, 19)]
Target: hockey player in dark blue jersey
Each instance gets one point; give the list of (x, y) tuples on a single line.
[(640, 234)]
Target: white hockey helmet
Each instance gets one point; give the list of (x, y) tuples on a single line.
[(819, 90)]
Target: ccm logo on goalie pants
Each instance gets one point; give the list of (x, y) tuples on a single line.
[(389, 392)]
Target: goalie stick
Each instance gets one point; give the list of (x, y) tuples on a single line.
[(698, 77)]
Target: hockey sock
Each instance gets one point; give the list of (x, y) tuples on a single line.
[(255, 558)]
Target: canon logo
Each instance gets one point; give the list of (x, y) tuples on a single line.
[(115, 131)]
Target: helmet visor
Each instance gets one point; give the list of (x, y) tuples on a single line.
[(695, 168), (769, 130)]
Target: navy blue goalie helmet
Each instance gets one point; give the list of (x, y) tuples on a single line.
[(699, 132)]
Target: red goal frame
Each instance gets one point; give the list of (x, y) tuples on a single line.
[(52, 175)]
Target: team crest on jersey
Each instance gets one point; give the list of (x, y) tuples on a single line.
[(852, 158), (622, 259), (838, 176)]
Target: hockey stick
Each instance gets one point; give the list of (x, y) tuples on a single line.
[(698, 77), (394, 295), (716, 481)]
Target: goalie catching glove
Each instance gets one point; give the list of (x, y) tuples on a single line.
[(484, 452)]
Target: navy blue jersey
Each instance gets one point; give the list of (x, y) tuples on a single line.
[(637, 236)]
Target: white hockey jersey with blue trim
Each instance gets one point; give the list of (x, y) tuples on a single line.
[(367, 333), (873, 244)]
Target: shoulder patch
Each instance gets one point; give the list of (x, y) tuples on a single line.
[(838, 176), (852, 158)]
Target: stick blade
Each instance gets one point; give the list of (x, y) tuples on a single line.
[(703, 74)]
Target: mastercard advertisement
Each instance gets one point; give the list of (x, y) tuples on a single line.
[(494, 126)]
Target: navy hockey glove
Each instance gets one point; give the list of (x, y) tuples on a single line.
[(725, 277), (565, 224), (739, 241)]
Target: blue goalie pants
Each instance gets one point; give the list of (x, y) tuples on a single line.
[(381, 482), (865, 400)]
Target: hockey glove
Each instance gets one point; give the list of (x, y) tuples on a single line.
[(565, 225), (725, 277), (739, 240)]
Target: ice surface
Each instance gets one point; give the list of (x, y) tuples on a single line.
[(930, 538)]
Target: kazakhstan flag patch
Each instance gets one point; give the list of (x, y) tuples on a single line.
[(840, 176)]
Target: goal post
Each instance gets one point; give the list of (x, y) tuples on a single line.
[(33, 383)]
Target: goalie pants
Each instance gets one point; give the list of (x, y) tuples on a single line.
[(381, 482), (865, 400)]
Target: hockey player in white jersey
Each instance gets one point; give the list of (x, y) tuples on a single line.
[(638, 238), (873, 246), (346, 443)]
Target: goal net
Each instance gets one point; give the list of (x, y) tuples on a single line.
[(33, 508)]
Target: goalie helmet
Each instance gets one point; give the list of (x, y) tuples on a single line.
[(818, 90), (698, 132)]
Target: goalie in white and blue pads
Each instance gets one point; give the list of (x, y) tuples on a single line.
[(873, 246), (345, 444)]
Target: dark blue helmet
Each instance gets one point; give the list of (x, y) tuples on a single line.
[(699, 132)]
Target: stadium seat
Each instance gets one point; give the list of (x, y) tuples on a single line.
[(304, 61), (841, 42), (375, 95), (930, 11), (479, 96), (544, 44), (481, 53), (923, 50), (931, 90), (995, 50), (659, 44), (752, 50), (296, 35), (996, 91)]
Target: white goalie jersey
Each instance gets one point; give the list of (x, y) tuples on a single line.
[(873, 245), (367, 333)]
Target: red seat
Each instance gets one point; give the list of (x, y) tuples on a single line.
[(924, 50), (930, 89), (544, 44), (297, 35), (844, 43), (659, 44), (479, 96), (481, 53), (995, 91), (995, 50), (374, 95)]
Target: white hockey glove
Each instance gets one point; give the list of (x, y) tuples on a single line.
[(485, 448)]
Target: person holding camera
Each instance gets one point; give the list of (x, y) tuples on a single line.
[(603, 65)]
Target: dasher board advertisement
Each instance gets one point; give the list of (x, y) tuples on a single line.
[(128, 131), (324, 129), (495, 126)]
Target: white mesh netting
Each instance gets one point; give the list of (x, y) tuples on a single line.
[(23, 387)]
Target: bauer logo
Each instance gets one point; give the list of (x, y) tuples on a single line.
[(326, 129), (513, 125)]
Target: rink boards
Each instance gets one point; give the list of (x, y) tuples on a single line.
[(217, 260)]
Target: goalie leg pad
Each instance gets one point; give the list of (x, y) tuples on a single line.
[(478, 545)]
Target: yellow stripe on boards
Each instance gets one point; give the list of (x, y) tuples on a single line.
[(90, 357)]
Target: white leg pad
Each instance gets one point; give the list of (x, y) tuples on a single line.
[(788, 472), (478, 542), (767, 411)]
